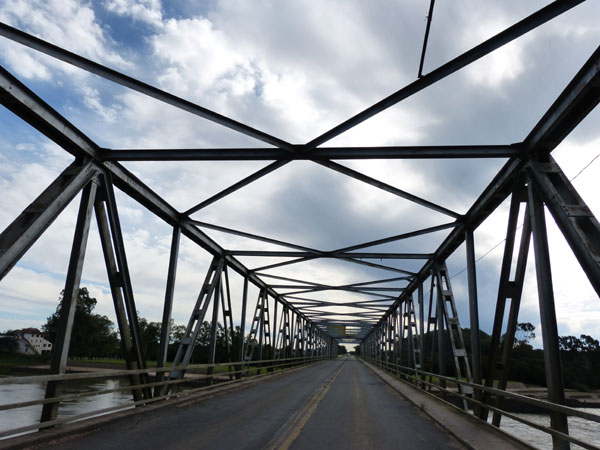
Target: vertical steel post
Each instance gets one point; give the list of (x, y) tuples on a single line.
[(473, 315), (261, 328), (125, 279), (241, 350), (214, 321), (117, 294), (69, 302), (554, 376), (421, 329), (165, 329), (274, 331), (440, 327), (501, 344)]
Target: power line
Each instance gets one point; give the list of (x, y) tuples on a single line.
[(586, 166)]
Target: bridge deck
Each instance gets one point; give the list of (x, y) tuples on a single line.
[(335, 404)]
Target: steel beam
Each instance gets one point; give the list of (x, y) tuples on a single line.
[(19, 99), (426, 38), (288, 254), (473, 314), (124, 276), (62, 341), (386, 187), (24, 103), (379, 266), (557, 118), (252, 236), (136, 85), (165, 330), (236, 186), (554, 376), (504, 37), (576, 101), (317, 154), (283, 263), (25, 230), (115, 282), (399, 237), (576, 221)]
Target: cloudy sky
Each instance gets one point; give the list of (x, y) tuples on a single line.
[(293, 69)]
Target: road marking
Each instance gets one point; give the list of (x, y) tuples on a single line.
[(290, 430)]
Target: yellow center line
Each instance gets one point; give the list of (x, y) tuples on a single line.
[(288, 433)]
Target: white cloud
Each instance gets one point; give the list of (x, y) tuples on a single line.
[(503, 65), (149, 11), (67, 23), (198, 56)]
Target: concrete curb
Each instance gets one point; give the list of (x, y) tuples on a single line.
[(469, 430)]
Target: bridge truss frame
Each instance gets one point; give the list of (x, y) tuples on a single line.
[(530, 178)]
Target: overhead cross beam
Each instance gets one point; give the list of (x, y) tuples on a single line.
[(318, 154)]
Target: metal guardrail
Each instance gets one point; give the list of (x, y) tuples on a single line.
[(237, 371), (418, 377)]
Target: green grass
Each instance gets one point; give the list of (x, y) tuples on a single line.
[(8, 361)]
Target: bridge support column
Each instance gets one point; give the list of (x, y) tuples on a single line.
[(508, 289), (242, 341), (441, 341), (421, 329), (167, 308), (474, 316), (188, 341), (113, 248), (69, 303), (554, 376)]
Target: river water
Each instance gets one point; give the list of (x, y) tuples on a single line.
[(13, 393), (580, 428)]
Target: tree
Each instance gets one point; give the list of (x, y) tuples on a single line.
[(570, 344), (92, 335), (150, 332), (524, 334)]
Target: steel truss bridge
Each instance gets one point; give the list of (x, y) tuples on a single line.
[(288, 327)]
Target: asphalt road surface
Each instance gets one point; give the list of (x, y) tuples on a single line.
[(337, 404)]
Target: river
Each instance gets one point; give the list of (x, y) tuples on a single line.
[(13, 393), (585, 430)]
